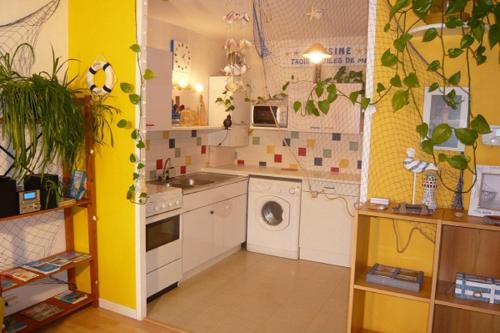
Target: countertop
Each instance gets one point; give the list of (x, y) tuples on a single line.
[(245, 170)]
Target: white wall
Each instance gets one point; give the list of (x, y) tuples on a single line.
[(54, 33)]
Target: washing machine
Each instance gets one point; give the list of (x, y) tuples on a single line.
[(274, 216)]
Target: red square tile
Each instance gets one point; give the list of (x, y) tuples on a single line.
[(277, 158), (203, 150), (241, 162), (159, 164), (183, 170), (302, 151), (334, 169)]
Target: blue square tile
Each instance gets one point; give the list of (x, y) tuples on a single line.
[(359, 164), (336, 136), (262, 164), (286, 142), (318, 161), (171, 143), (194, 134)]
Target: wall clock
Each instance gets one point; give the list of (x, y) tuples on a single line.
[(182, 56)]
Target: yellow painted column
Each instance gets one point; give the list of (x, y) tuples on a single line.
[(104, 30)]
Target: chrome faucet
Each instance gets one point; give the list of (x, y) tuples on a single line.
[(165, 175)]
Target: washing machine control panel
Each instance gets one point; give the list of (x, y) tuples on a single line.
[(277, 187)]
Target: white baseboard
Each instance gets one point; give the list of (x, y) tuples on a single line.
[(118, 308), (284, 253)]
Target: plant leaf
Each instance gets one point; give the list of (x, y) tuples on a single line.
[(122, 123), (427, 146), (148, 74), (135, 134), (396, 81), (134, 98), (296, 106), (456, 6), (433, 87), (380, 87), (285, 86), (466, 41), (401, 41), (389, 59), (320, 87), (365, 102), (126, 87), (411, 81), (311, 108), (434, 66), (430, 34), (494, 34), (141, 145), (387, 26), (133, 158), (324, 106), (422, 7), (455, 78), (400, 4), (455, 52), (442, 157), (423, 130), (454, 22), (400, 99), (441, 134), (480, 125), (353, 96), (466, 135), (332, 88), (140, 166), (136, 48), (459, 162)]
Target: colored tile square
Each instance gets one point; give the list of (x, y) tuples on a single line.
[(165, 135), (177, 152), (311, 143), (203, 150), (318, 161), (188, 160), (334, 169), (360, 164), (293, 166), (240, 162), (198, 141), (302, 151), (148, 144), (171, 143), (194, 134), (153, 175), (159, 164), (336, 136), (256, 140), (327, 153), (287, 142), (294, 135), (262, 164), (278, 158), (183, 170), (353, 146), (270, 149), (344, 164)]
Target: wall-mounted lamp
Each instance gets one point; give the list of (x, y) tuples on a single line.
[(198, 87), (183, 84), (316, 53)]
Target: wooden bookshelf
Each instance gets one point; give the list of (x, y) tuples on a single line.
[(89, 203), (79, 203), (41, 276), (463, 244)]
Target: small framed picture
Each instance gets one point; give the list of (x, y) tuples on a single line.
[(437, 111), (485, 195)]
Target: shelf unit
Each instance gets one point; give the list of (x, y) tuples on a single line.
[(89, 203), (462, 244)]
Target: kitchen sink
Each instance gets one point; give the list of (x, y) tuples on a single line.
[(194, 180)]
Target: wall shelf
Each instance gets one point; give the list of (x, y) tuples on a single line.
[(462, 244), (79, 203)]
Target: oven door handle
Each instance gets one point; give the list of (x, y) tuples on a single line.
[(163, 216)]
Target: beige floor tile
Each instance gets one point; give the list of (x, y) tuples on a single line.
[(254, 293)]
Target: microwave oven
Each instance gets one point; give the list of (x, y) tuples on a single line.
[(270, 115)]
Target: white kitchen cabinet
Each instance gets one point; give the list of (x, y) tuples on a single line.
[(212, 230), (343, 116), (159, 90), (325, 224)]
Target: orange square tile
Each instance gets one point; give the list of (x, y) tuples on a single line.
[(188, 160), (311, 143), (293, 166), (166, 135), (147, 144), (344, 163), (270, 149)]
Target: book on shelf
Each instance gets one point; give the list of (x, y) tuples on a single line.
[(12, 325), (21, 274), (59, 261), (6, 284), (74, 256), (64, 202), (42, 311), (82, 257), (71, 296), (77, 184), (41, 267)]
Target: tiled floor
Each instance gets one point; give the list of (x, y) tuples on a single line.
[(249, 292)]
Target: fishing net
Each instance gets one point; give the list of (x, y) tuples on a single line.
[(25, 30)]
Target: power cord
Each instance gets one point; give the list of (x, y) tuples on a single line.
[(410, 236), (224, 139)]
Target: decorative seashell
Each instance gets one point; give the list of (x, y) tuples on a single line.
[(243, 69), (227, 69), (232, 86), (245, 18), (229, 17), (230, 44), (244, 43)]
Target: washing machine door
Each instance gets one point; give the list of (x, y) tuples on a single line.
[(273, 213)]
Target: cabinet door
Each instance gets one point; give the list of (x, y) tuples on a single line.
[(229, 223), (197, 238), (159, 90), (300, 121), (343, 117)]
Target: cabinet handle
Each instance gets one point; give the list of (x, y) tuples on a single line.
[(212, 212)]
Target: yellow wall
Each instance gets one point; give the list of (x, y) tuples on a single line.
[(392, 134), (106, 29)]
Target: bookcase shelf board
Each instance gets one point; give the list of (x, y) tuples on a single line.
[(80, 203)]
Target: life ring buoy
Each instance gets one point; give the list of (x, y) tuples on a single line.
[(109, 80)]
